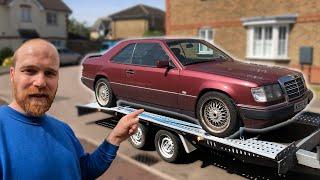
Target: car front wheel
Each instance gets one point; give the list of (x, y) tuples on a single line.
[(103, 93), (217, 114)]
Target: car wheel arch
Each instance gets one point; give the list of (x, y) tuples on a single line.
[(204, 91), (99, 76)]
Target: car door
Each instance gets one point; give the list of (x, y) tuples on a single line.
[(149, 84), (116, 71)]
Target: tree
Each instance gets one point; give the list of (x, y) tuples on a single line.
[(78, 28)]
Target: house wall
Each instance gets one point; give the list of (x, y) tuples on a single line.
[(224, 17), (4, 25), (10, 17), (129, 28)]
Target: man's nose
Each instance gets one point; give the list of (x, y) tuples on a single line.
[(40, 80)]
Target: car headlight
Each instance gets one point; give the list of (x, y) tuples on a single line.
[(267, 93)]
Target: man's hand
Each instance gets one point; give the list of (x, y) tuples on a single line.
[(126, 126)]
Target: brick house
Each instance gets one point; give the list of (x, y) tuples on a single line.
[(263, 31), (26, 19), (135, 21)]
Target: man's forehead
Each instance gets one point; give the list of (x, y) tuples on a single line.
[(38, 56), (38, 62)]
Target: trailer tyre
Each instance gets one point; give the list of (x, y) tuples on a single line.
[(217, 114), (103, 93), (169, 146), (142, 139)]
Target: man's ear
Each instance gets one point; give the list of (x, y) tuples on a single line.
[(11, 73)]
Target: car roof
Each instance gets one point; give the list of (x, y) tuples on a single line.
[(163, 39)]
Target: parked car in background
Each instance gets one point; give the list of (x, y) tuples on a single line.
[(193, 77), (68, 57), (107, 44)]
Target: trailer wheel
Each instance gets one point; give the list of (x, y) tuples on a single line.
[(103, 93), (169, 146), (142, 139)]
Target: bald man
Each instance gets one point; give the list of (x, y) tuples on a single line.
[(35, 145)]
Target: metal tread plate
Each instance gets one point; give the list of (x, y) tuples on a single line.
[(308, 118), (266, 149)]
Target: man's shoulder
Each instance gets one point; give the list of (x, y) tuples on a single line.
[(2, 108), (3, 111)]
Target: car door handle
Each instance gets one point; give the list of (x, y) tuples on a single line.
[(129, 71)]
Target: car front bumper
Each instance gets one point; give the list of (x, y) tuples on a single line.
[(279, 113)]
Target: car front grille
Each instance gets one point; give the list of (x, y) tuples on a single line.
[(294, 87)]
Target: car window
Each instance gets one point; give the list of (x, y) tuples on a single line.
[(67, 51), (196, 51), (147, 54), (63, 51), (124, 55)]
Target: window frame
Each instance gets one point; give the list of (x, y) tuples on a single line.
[(26, 14), (275, 42), (206, 31), (52, 18), (144, 65), (121, 50)]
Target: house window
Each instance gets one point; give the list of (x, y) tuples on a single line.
[(206, 34), (52, 18), (282, 49), (25, 13), (268, 42), (267, 36)]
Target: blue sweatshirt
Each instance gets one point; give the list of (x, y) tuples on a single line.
[(46, 148)]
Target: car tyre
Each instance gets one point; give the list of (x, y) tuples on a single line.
[(217, 114), (169, 146), (103, 93)]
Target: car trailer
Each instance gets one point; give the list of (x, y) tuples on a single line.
[(173, 135)]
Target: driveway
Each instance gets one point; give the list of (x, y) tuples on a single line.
[(200, 165)]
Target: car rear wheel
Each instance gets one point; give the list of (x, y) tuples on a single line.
[(103, 93), (217, 114)]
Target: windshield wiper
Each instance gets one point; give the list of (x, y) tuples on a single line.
[(197, 62)]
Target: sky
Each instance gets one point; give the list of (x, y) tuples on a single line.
[(90, 10)]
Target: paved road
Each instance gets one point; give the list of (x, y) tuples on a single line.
[(199, 165)]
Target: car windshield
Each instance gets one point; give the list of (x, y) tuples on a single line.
[(196, 51)]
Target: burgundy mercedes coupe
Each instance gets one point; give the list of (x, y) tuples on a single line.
[(192, 77)]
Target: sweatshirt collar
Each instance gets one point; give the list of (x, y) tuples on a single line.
[(24, 117)]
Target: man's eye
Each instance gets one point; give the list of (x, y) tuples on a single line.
[(49, 74), (29, 71)]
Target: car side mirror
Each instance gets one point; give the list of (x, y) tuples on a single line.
[(162, 64)]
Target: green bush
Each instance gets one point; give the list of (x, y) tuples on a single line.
[(4, 53), (8, 62)]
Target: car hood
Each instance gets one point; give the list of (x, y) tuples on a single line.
[(260, 74)]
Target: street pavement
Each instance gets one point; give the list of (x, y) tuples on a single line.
[(71, 92)]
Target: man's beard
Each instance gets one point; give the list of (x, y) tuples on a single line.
[(30, 102)]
